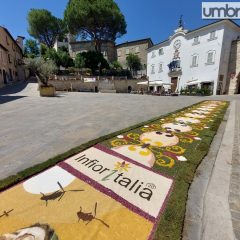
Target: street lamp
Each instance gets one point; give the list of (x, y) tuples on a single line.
[(99, 69)]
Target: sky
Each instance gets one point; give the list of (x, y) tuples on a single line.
[(156, 19)]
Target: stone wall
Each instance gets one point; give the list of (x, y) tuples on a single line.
[(107, 48), (102, 85), (234, 69), (138, 48)]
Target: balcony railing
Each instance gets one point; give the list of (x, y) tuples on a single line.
[(175, 68)]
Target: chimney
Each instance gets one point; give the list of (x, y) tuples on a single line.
[(19, 41)]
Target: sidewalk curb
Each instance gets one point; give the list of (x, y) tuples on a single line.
[(196, 223)]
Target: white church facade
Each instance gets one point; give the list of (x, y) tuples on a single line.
[(197, 58)]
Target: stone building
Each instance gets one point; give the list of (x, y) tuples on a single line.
[(11, 58), (138, 47), (107, 48)]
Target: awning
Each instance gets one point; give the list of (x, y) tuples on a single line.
[(89, 80), (194, 82), (207, 81), (197, 82), (143, 83), (156, 83)]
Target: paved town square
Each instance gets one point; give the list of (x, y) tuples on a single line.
[(119, 120), (50, 126)]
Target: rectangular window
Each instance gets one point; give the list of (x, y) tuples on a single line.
[(137, 50), (196, 40), (160, 51), (9, 58), (119, 53), (127, 50), (210, 58), (153, 54), (160, 67), (153, 69), (194, 61), (212, 35)]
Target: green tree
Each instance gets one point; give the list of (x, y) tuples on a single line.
[(79, 61), (60, 57), (133, 62), (64, 59), (45, 27), (31, 48), (116, 66), (43, 49), (97, 20), (52, 54), (41, 68), (94, 60)]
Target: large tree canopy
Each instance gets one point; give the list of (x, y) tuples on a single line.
[(45, 27), (93, 60), (98, 20), (60, 57)]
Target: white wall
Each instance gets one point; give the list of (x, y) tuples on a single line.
[(225, 33)]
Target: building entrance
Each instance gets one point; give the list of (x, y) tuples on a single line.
[(174, 81)]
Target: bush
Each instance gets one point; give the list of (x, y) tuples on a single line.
[(196, 91)]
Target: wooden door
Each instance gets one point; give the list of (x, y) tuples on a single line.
[(174, 84)]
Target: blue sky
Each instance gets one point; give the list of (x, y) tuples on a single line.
[(145, 18)]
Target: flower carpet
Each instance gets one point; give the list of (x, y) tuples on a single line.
[(132, 186)]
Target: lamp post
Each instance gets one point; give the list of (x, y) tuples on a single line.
[(99, 70)]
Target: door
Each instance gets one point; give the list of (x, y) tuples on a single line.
[(238, 85), (174, 83), (4, 77)]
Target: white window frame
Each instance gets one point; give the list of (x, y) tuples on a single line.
[(153, 69), (160, 67), (160, 51), (196, 57), (213, 52), (137, 49), (153, 54), (196, 40), (213, 35), (119, 52), (127, 51)]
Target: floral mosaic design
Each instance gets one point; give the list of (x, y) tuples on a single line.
[(163, 143), (98, 192)]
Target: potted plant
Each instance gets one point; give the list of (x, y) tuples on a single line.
[(42, 69)]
